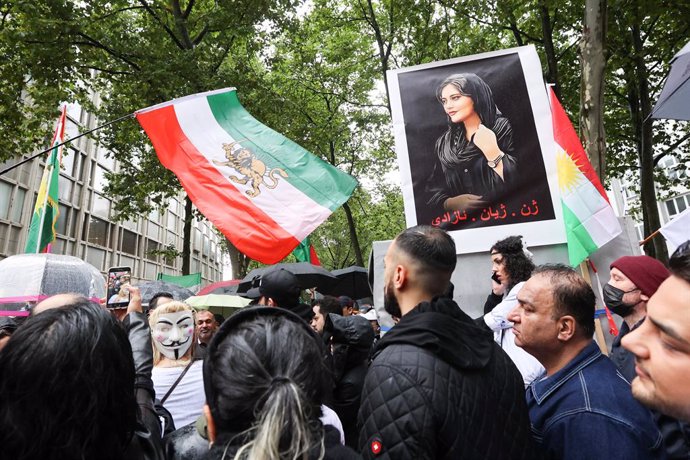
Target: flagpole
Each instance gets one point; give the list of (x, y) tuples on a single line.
[(25, 160), (652, 235)]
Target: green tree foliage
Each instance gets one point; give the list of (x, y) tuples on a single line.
[(316, 71)]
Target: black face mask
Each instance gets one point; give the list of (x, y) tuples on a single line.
[(613, 298)]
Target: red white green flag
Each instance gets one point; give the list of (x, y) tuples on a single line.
[(589, 218), (263, 191), (42, 228)]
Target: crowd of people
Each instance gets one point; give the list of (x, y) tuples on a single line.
[(285, 379)]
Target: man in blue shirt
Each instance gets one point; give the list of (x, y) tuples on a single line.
[(582, 408)]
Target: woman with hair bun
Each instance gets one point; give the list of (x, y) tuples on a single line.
[(263, 381)]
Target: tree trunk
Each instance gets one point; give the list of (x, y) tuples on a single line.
[(353, 235), (238, 261), (187, 237), (384, 51), (592, 85), (549, 49), (656, 247)]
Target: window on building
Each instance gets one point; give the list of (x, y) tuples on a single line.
[(99, 180), (153, 231), (197, 240), (130, 224), (69, 157), (16, 234), (150, 271), (151, 247), (3, 236), (97, 230), (677, 205), (207, 246), (129, 242), (5, 197), (172, 221), (58, 246), (96, 257), (65, 188), (155, 216), (100, 205), (63, 218), (128, 262), (18, 204)]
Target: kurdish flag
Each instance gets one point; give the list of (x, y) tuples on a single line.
[(42, 227), (263, 191), (589, 219)]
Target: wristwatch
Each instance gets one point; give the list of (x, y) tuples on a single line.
[(494, 163)]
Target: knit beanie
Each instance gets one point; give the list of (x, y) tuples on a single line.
[(646, 272)]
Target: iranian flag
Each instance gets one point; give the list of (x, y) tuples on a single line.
[(263, 191), (589, 219)]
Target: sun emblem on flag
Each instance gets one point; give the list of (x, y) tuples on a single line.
[(568, 173), (253, 170)]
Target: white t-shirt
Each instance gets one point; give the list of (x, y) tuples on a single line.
[(187, 400), (329, 417)]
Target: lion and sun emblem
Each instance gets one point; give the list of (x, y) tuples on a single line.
[(252, 170)]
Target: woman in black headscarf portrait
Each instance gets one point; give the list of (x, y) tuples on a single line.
[(476, 157)]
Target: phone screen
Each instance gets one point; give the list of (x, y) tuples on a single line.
[(119, 279)]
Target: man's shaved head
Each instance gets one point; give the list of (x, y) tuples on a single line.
[(430, 253)]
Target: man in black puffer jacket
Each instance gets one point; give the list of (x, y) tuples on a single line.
[(439, 387)]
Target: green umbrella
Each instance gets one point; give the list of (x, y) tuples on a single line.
[(217, 300)]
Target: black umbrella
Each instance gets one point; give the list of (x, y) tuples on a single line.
[(150, 288), (352, 281), (675, 97), (309, 276)]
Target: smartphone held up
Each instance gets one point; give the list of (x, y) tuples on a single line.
[(119, 279)]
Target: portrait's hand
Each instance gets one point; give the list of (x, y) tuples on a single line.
[(485, 140), (464, 202)]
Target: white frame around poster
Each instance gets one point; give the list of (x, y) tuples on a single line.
[(545, 232)]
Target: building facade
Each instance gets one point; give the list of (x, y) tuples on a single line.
[(85, 227), (626, 197)]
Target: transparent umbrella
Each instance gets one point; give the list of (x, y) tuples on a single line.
[(29, 278)]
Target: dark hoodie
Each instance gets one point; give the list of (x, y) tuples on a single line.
[(440, 387), (352, 337), (442, 328)]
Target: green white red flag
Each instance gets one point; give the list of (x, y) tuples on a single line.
[(42, 228), (263, 191), (589, 218)]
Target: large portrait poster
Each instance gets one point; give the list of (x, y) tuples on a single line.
[(475, 146)]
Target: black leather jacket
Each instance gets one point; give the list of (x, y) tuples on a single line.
[(146, 440)]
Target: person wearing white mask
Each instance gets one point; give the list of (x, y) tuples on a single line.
[(177, 377)]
